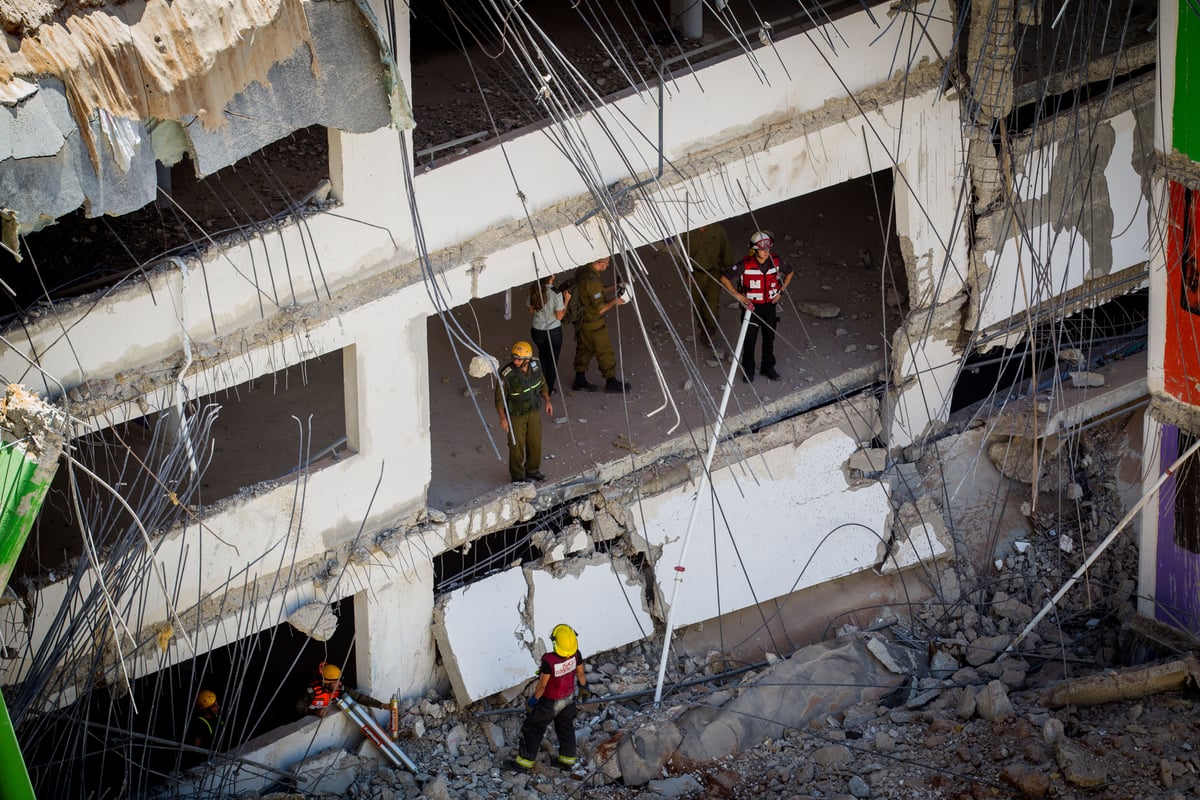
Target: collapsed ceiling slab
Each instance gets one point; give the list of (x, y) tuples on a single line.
[(111, 97)]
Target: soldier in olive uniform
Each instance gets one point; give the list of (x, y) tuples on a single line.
[(591, 335), (709, 255), (521, 384)]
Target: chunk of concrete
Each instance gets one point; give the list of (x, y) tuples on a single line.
[(818, 309), (316, 620), (818, 681), (679, 786), (992, 703), (642, 755), (329, 772), (1086, 380), (1079, 765), (605, 528)]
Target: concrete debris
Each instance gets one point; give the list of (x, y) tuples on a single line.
[(820, 309), (681, 786), (482, 366), (868, 462), (1127, 684), (1072, 355), (1086, 380), (1080, 765), (317, 620)]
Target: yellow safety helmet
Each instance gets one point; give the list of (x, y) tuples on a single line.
[(206, 699), (522, 350), (566, 643), (330, 672)]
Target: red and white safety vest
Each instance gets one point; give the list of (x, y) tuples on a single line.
[(760, 282), (321, 697)]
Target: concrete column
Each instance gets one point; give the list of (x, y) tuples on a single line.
[(387, 394), (367, 170), (689, 15), (394, 635)]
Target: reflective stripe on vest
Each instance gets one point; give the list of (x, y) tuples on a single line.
[(760, 282), (321, 697)]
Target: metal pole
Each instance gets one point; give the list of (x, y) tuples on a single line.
[(736, 362), (1171, 470)]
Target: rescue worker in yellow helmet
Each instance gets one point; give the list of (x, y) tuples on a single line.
[(554, 700), (322, 694), (521, 385), (202, 730)]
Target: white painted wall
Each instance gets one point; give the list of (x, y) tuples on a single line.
[(1052, 256), (605, 605), (931, 367), (785, 516), (482, 637), (488, 644)]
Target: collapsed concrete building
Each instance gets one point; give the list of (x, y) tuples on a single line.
[(282, 406)]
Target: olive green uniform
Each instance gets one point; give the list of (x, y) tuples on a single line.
[(709, 255), (591, 335), (524, 393)]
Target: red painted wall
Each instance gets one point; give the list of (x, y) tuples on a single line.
[(1181, 358)]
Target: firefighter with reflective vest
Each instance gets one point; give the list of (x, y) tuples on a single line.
[(759, 281), (554, 700), (202, 730), (518, 393), (322, 695)]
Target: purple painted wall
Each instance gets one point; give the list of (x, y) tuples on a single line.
[(1177, 587)]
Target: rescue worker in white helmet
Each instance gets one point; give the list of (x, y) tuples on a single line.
[(521, 386), (322, 694), (553, 699), (759, 281)]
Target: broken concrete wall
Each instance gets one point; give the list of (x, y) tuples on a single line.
[(1058, 238), (786, 517), (271, 78), (492, 632)]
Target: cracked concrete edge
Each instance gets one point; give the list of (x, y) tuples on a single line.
[(1168, 410), (392, 277)]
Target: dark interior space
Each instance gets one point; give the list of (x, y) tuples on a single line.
[(261, 430), (77, 255), (1108, 332), (118, 745), (471, 82)]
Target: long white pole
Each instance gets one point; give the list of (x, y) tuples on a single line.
[(1053, 601), (700, 492)]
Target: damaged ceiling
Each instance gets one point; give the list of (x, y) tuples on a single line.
[(89, 105)]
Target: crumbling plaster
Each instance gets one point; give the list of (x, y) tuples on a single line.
[(1061, 238), (287, 80)]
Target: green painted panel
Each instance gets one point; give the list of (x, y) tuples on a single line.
[(22, 490), (1185, 127), (14, 783)]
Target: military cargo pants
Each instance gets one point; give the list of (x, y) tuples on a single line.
[(706, 307), (525, 444), (591, 341)]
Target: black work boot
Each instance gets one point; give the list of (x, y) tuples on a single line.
[(618, 386), (582, 385)]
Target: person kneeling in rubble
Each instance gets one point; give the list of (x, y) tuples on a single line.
[(554, 699), (322, 695)]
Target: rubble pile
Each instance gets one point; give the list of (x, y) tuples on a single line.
[(974, 724)]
